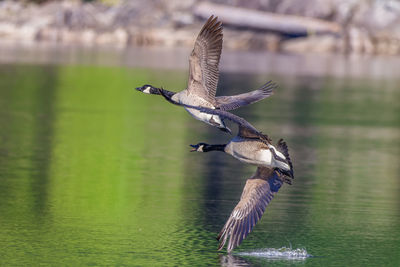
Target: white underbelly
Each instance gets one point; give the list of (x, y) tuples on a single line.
[(205, 117)]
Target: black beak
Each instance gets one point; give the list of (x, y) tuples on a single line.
[(139, 88), (194, 148)]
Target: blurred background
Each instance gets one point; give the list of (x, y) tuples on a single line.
[(93, 172)]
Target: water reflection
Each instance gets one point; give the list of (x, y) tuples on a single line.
[(96, 174), (27, 118), (230, 260), (250, 62), (44, 113)]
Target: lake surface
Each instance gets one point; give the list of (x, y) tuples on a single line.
[(93, 172)]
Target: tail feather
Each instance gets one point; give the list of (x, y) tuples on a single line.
[(282, 147)]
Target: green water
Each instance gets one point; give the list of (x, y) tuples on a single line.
[(93, 172)]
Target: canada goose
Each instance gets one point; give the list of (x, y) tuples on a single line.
[(274, 168), (203, 79)]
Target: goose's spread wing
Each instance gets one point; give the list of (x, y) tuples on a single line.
[(236, 101), (257, 193), (204, 60)]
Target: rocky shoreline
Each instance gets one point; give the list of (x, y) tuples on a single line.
[(349, 27)]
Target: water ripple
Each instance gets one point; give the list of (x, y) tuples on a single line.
[(280, 253)]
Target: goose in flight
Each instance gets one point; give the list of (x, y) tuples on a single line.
[(203, 80), (274, 167)]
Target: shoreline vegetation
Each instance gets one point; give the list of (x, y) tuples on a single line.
[(311, 26)]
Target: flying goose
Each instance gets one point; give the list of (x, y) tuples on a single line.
[(274, 168), (203, 79)]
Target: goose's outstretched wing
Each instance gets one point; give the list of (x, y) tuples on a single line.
[(204, 60), (257, 193), (237, 101)]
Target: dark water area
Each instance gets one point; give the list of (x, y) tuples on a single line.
[(93, 172)]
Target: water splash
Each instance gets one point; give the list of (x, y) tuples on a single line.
[(280, 253)]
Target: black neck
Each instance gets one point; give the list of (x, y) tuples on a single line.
[(208, 148), (166, 92)]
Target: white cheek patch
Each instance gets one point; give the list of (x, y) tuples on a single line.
[(147, 90), (200, 149)]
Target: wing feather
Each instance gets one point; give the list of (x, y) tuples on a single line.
[(245, 128), (204, 60), (237, 101), (257, 193)]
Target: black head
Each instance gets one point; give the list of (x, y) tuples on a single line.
[(148, 89), (199, 147)]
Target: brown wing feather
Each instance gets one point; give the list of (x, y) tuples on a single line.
[(257, 193), (204, 60)]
